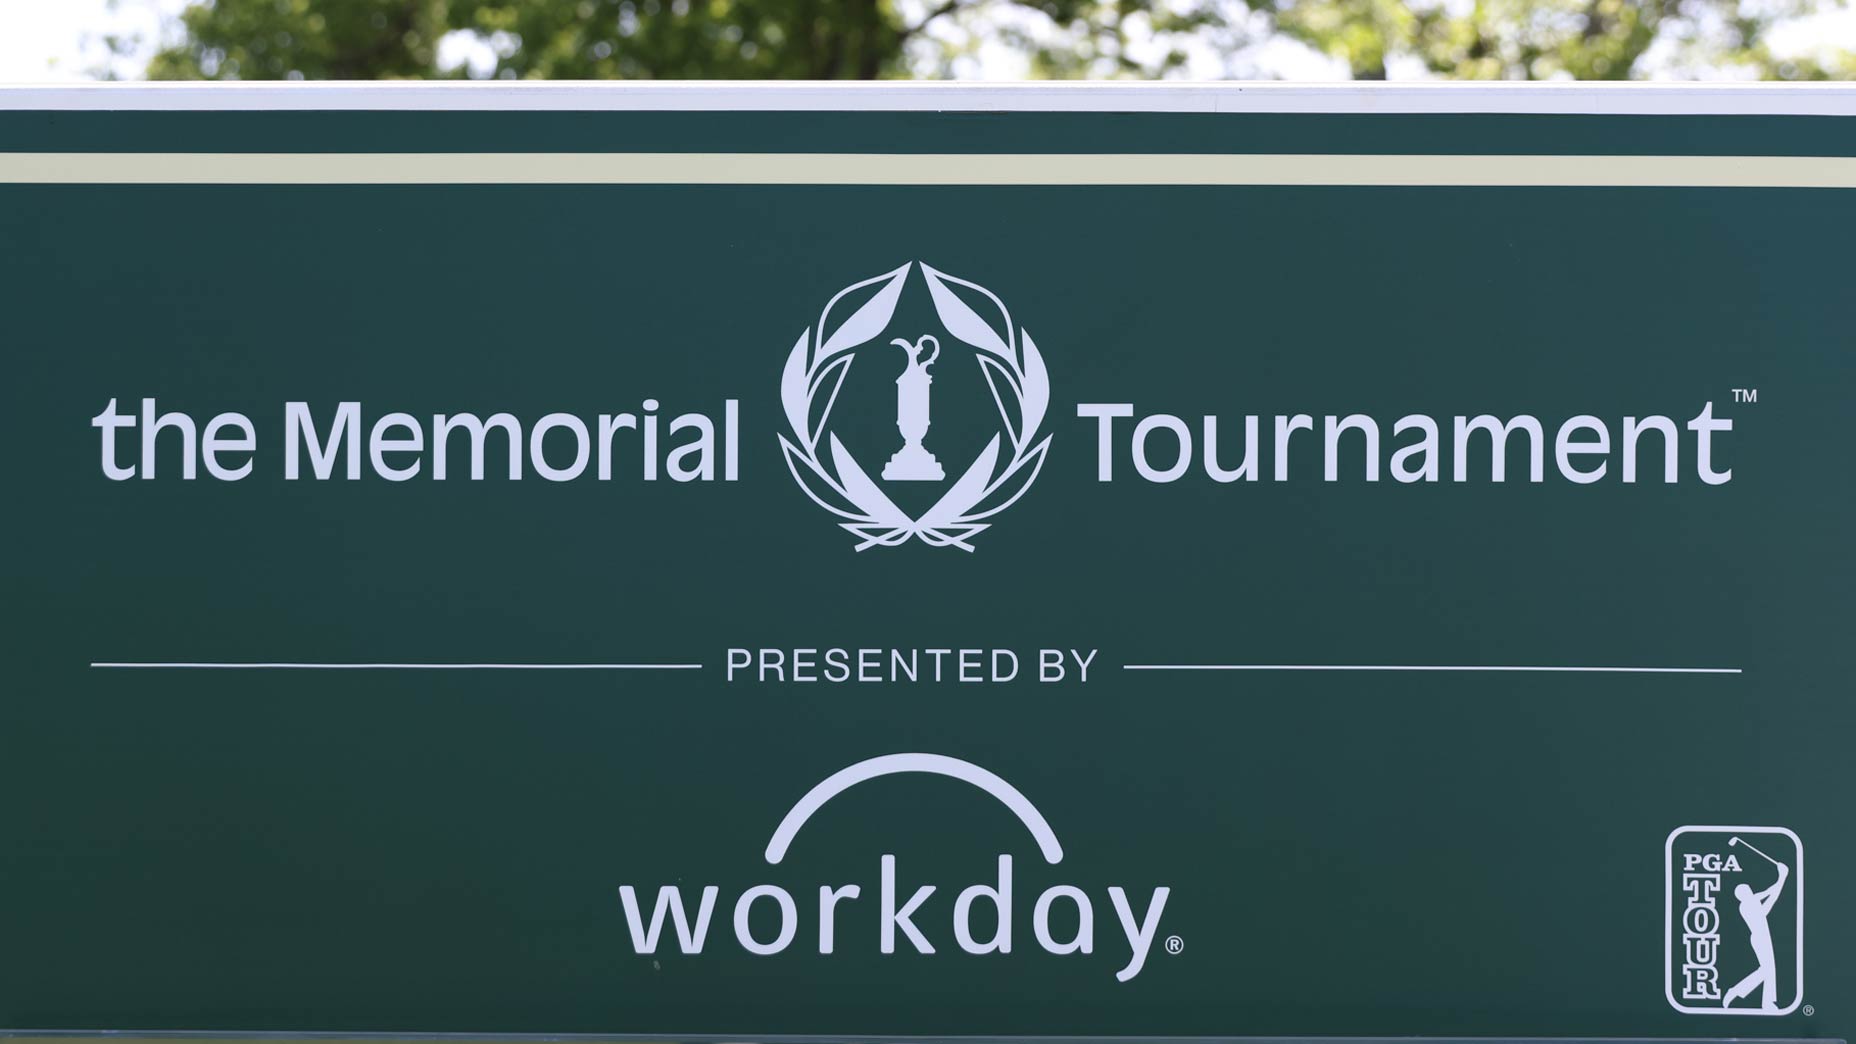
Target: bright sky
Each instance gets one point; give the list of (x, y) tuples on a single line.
[(61, 40)]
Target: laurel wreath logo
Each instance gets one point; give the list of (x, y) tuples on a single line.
[(1013, 369)]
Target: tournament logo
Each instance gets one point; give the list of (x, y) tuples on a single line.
[(1734, 920), (954, 346)]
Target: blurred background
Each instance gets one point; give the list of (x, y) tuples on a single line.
[(64, 40)]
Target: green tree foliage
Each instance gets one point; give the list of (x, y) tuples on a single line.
[(306, 39), (1547, 39), (866, 39)]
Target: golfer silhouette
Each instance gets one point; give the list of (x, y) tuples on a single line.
[(1754, 906)]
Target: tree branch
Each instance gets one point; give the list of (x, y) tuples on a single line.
[(945, 7)]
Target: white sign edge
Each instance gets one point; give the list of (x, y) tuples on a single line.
[(1622, 99)]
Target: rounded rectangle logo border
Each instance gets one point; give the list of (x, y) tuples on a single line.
[(1669, 923)]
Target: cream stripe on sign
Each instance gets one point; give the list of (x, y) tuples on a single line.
[(728, 168)]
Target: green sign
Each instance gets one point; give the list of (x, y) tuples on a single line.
[(906, 562)]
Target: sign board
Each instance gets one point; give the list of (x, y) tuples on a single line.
[(908, 562)]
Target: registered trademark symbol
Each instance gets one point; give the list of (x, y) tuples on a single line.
[(1809, 1010), (1174, 944)]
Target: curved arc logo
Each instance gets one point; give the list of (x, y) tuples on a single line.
[(935, 764), (897, 915)]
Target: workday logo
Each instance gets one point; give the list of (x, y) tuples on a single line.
[(1733, 920), (961, 352), (1063, 916)]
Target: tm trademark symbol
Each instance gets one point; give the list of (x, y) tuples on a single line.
[(1174, 944), (1809, 1010), (1746, 394)]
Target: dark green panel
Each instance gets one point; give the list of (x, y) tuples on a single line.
[(1382, 852), (928, 132)]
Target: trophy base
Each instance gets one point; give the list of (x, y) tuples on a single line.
[(912, 463)]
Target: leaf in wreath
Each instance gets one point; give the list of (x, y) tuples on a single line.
[(1036, 389), (962, 320), (868, 321), (794, 395), (833, 374), (1032, 460), (960, 498), (995, 372), (801, 464), (952, 536), (863, 492)]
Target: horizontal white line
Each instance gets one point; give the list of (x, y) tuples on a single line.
[(1420, 667), (811, 168), (201, 665), (1825, 99)]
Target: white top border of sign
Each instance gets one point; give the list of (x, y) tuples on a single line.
[(1638, 99)]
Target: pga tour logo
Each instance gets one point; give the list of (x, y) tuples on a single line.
[(1734, 920), (1063, 917)]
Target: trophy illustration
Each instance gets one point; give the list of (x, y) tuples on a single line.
[(913, 462)]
